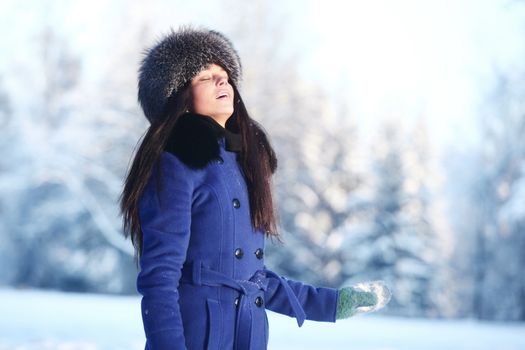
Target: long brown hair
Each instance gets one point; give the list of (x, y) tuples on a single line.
[(257, 159)]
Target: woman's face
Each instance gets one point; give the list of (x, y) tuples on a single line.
[(212, 93)]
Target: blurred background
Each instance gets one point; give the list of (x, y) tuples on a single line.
[(399, 130)]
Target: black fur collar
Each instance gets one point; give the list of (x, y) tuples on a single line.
[(194, 139)]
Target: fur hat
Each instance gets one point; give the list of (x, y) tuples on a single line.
[(175, 59)]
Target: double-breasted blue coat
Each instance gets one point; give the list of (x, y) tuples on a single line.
[(202, 273)]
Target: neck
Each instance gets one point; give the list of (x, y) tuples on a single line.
[(221, 120)]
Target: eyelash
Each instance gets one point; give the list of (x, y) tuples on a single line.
[(206, 78)]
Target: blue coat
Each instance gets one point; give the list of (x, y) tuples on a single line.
[(202, 273)]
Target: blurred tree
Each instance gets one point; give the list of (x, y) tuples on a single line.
[(7, 142), (498, 195), (402, 246), (65, 237)]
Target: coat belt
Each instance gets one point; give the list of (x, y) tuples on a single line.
[(246, 326)]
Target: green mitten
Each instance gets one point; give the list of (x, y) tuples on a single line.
[(362, 297)]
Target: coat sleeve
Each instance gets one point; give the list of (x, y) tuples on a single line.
[(165, 218), (318, 303)]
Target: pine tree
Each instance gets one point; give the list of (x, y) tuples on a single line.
[(401, 245), (498, 194)]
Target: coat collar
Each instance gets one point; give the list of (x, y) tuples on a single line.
[(196, 139), (232, 140)]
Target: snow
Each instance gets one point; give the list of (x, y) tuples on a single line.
[(37, 319)]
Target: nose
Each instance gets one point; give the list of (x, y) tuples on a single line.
[(223, 81)]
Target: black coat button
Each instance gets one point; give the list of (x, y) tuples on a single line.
[(219, 160), (259, 253), (236, 301), (236, 203), (239, 253), (258, 301)]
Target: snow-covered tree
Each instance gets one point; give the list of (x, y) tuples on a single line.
[(400, 244), (498, 197), (317, 187), (7, 141), (57, 215)]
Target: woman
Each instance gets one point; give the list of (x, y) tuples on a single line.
[(198, 206)]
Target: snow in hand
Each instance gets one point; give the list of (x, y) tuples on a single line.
[(35, 319)]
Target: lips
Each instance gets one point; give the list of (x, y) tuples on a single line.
[(223, 94)]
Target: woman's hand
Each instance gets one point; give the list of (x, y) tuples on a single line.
[(362, 298)]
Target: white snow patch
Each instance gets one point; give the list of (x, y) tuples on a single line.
[(36, 319)]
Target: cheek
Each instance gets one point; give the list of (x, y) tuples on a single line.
[(200, 99)]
